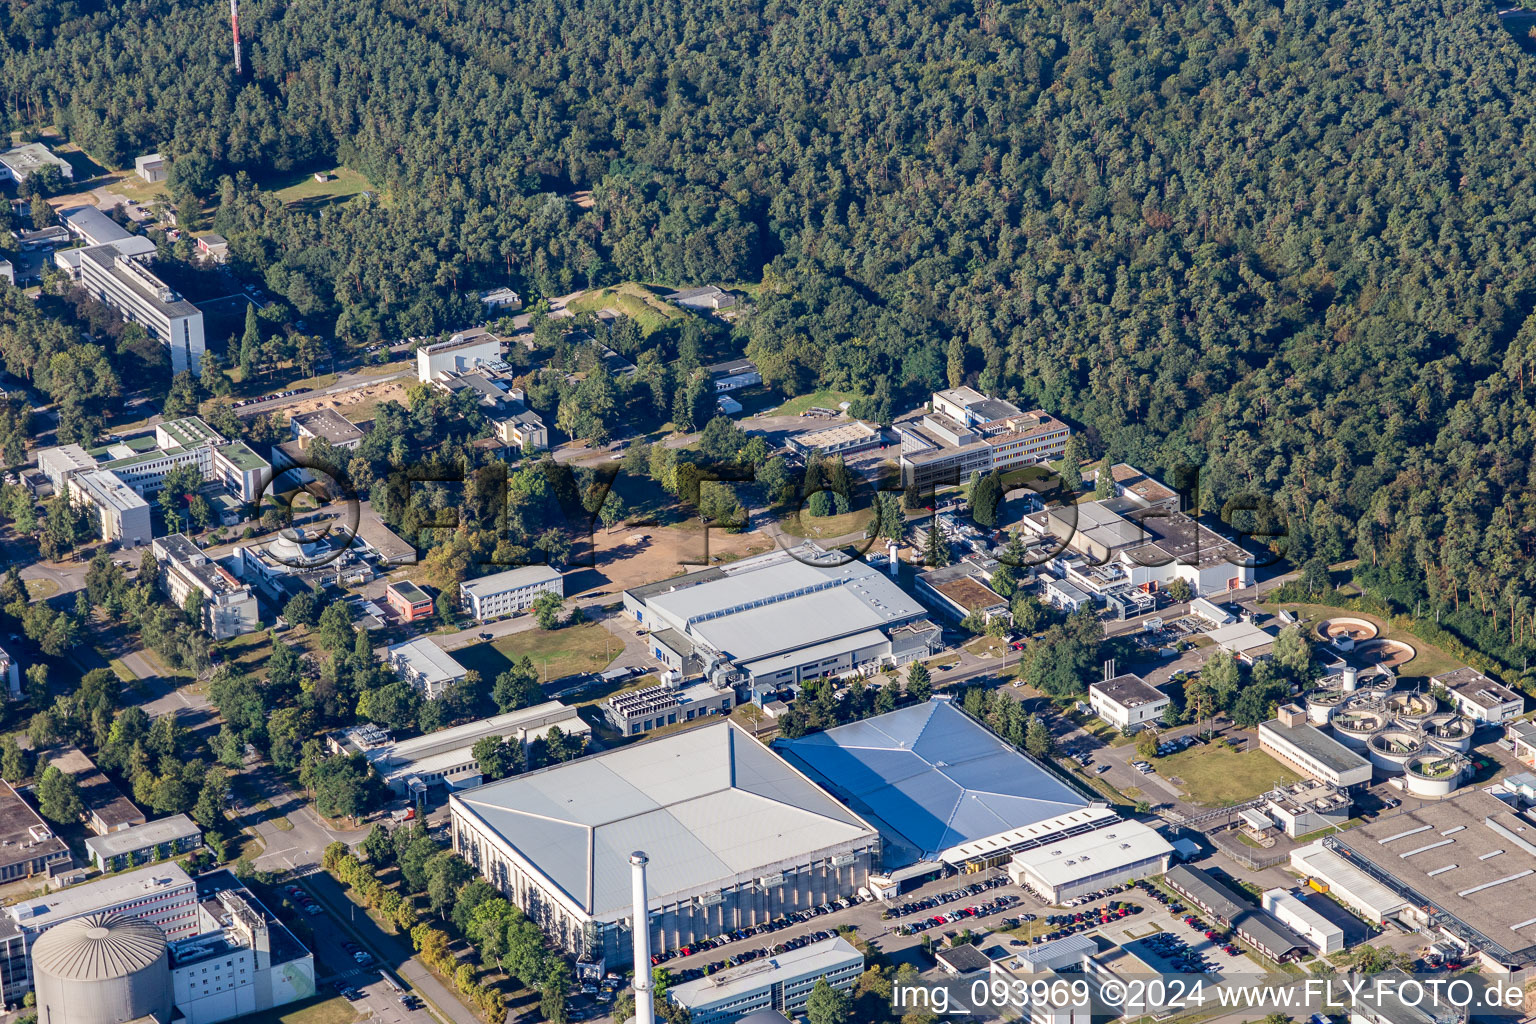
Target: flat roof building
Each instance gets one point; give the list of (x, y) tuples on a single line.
[(153, 841), (242, 472), (1127, 701), (1464, 867), (130, 288), (1293, 742), (27, 844), (408, 601), (967, 432), (328, 424), (634, 712), (92, 226), (510, 592), (734, 374), (161, 893), (1073, 865), (228, 605), (463, 351), (150, 167), (106, 809), (122, 513), (854, 436), (20, 162), (709, 298), (446, 758), (1344, 881), (737, 837), (782, 982), (1244, 640), (940, 786), (1254, 925), (1292, 910), (778, 617), (963, 589), (1480, 698), (426, 666)]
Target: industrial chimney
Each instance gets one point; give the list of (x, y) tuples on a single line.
[(645, 1006), (894, 568), (234, 29)]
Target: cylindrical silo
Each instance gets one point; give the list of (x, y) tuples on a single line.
[(103, 968)]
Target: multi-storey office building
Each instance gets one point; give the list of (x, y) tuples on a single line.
[(134, 291)]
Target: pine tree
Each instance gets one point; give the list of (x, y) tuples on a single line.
[(250, 345), (936, 551), (919, 685)]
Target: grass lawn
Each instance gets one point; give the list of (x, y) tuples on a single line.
[(319, 1010), (1429, 661), (1214, 775), (798, 524), (300, 187), (586, 647), (984, 646), (633, 300), (282, 823), (818, 399), (40, 590)]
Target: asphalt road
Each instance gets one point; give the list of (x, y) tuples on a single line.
[(341, 922)]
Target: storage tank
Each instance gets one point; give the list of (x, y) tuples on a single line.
[(104, 968)]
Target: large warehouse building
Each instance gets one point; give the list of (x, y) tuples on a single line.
[(1461, 867), (777, 617), (736, 837), (949, 794)]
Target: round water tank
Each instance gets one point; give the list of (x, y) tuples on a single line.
[(103, 968)]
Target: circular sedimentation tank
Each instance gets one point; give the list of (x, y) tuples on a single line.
[(1411, 707), (1434, 774), (1392, 748), (1321, 705), (1450, 730), (103, 968), (1352, 629), (1391, 653), (1355, 724)]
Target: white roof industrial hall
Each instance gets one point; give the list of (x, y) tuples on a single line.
[(707, 805)]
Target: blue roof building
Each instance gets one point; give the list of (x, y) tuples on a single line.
[(938, 784)]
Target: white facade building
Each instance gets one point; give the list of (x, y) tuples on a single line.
[(1291, 910), (1069, 866), (242, 962), (506, 593), (783, 982), (446, 757), (1127, 702), (464, 351), (20, 162), (426, 666), (1480, 698), (124, 514), (228, 606), (130, 288)]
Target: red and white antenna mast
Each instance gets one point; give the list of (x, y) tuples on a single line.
[(234, 28)]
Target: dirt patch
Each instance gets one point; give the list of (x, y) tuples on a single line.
[(627, 557), (356, 404)]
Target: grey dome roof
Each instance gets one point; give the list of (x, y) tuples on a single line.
[(98, 947)]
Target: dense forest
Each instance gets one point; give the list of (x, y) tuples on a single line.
[(1287, 243)]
